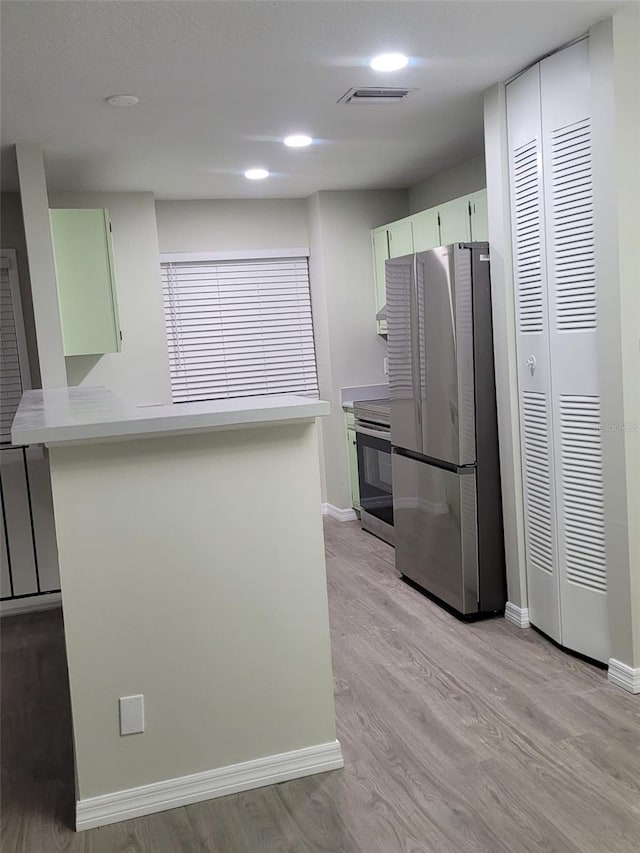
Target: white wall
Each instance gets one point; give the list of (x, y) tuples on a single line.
[(225, 225), (437, 189), (225, 634), (349, 350), (626, 42), (140, 372), (336, 226), (320, 309), (44, 294), (614, 50)]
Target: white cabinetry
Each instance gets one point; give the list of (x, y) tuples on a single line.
[(479, 218), (400, 238), (459, 220), (455, 221), (352, 456), (425, 230)]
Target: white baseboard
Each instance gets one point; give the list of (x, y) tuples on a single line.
[(624, 676), (518, 616), (172, 793), (13, 606), (338, 513)]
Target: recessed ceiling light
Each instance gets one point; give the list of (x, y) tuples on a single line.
[(298, 140), (389, 62), (121, 100), (256, 174)]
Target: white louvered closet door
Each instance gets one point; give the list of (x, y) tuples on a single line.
[(548, 116), (573, 317), (532, 329)]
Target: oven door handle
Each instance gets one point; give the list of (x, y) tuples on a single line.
[(374, 433)]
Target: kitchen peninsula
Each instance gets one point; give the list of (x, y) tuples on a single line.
[(192, 572)]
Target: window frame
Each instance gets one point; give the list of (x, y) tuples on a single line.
[(242, 256)]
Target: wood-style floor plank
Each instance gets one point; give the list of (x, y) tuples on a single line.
[(457, 738), (166, 832)]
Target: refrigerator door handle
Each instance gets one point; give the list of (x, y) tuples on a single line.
[(416, 377)]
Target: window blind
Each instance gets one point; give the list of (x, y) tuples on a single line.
[(13, 379), (239, 328)]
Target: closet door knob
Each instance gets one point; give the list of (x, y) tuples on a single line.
[(531, 364)]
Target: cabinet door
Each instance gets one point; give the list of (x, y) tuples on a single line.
[(84, 273), (400, 239), (380, 255), (479, 220), (353, 468), (424, 227), (455, 222), (400, 243)]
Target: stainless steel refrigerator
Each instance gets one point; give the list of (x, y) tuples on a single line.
[(445, 468)]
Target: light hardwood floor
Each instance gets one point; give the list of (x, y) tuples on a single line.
[(456, 738)]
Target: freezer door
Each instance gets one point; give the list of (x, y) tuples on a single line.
[(436, 537), (403, 353), (445, 331)]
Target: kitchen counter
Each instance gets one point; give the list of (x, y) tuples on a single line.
[(192, 572), (62, 415), (358, 393)]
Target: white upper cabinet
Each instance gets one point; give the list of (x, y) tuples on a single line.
[(86, 281), (380, 242), (400, 238), (425, 229), (455, 221), (479, 218)]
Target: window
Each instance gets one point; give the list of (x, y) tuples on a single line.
[(239, 328)]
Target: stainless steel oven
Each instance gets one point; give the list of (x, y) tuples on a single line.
[(373, 441)]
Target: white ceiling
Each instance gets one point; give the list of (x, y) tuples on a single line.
[(220, 83)]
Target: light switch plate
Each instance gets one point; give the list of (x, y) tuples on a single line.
[(131, 714)]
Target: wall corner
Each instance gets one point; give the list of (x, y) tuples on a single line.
[(46, 311), (504, 330), (615, 91)]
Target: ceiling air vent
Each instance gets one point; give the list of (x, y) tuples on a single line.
[(375, 95)]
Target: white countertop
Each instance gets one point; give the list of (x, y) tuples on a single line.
[(62, 415), (358, 393)]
